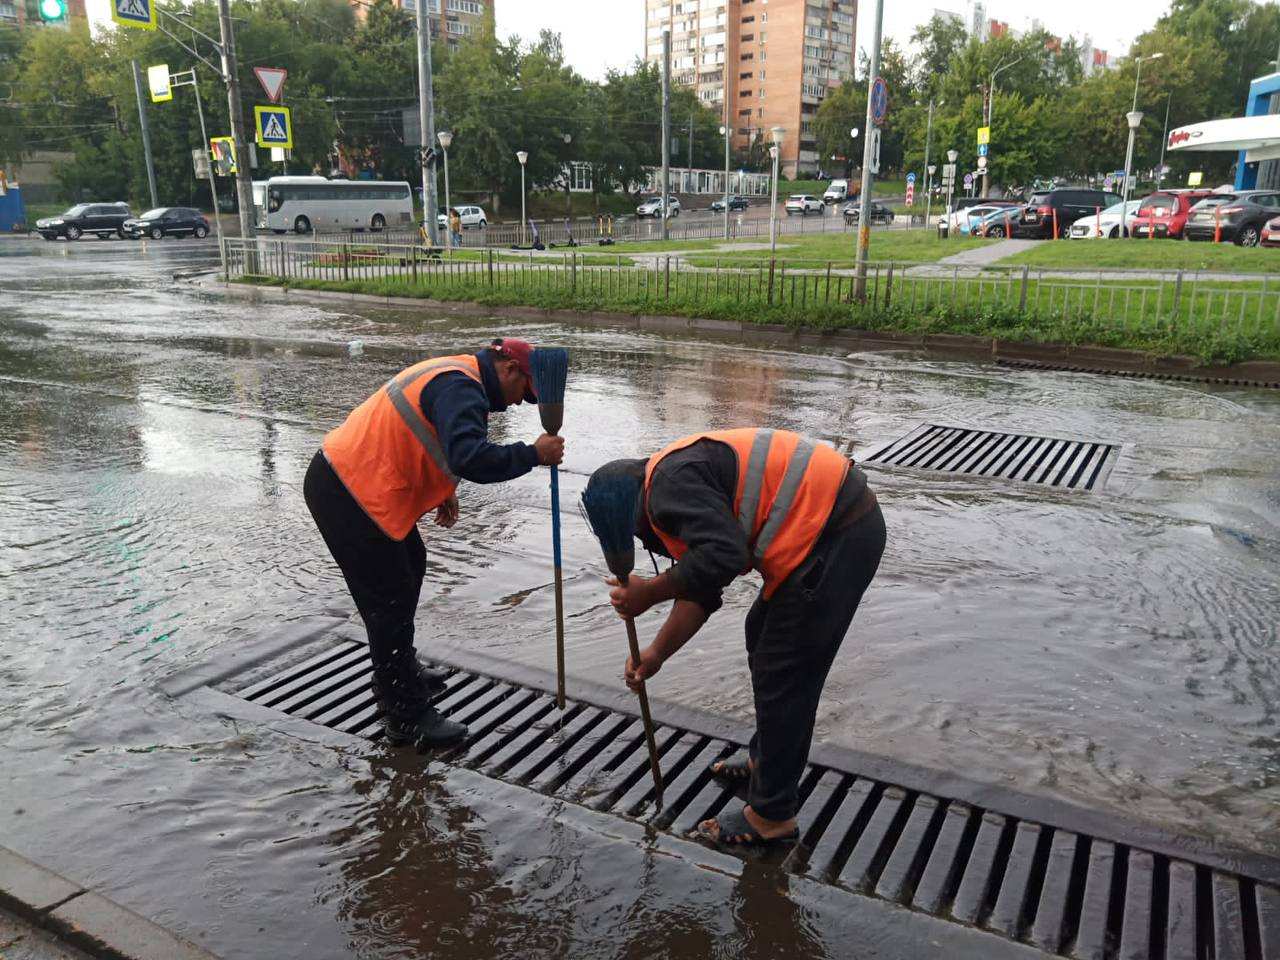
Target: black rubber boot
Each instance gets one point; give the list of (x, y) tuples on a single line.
[(408, 717)]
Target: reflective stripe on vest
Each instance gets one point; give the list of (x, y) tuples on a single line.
[(413, 420), (790, 479)]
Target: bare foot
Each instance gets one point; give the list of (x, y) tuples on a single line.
[(769, 829)]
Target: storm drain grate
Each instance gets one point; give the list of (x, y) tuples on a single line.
[(1139, 374), (1063, 892), (1049, 461)]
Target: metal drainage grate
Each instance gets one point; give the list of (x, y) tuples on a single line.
[(1050, 461), (1063, 892), (1138, 374)]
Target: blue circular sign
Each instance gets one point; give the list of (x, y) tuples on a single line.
[(911, 178), (879, 101)]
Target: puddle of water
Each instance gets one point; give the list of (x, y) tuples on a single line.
[(1116, 649)]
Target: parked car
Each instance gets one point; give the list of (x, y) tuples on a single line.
[(1271, 233), (735, 203), (837, 190), (471, 217), (1164, 214), (1114, 222), (997, 223), (1062, 206), (972, 216), (651, 207), (1238, 216), (958, 214), (168, 222), (100, 219), (803, 204), (879, 212)]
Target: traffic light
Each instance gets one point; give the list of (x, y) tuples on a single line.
[(52, 11)]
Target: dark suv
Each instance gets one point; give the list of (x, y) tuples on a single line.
[(101, 219), (1238, 216), (1064, 207), (168, 222), (879, 212), (735, 203)]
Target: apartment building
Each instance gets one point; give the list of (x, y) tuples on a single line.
[(760, 63), (450, 20)]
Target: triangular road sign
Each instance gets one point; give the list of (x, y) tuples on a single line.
[(272, 80)]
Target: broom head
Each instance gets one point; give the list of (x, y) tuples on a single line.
[(550, 369), (610, 502)]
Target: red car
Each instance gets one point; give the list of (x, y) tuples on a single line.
[(1271, 233), (1164, 214)]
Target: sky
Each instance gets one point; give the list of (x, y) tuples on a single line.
[(599, 34)]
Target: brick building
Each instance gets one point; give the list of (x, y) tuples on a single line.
[(760, 63)]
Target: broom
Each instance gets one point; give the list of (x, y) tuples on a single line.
[(550, 369), (610, 506)]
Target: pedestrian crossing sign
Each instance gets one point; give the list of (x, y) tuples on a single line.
[(134, 13), (274, 128)]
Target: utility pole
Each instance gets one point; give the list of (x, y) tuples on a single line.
[(666, 128), (868, 146), (1164, 141), (427, 125), (928, 176), (244, 174), (690, 167), (146, 135)]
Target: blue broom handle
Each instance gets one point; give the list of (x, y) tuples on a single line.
[(555, 515)]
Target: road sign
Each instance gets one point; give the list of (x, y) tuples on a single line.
[(134, 13), (278, 154), (273, 127), (158, 81), (968, 180), (982, 149), (984, 135), (982, 163), (879, 101), (272, 80), (911, 178), (911, 193)]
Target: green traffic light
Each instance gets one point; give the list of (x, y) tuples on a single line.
[(53, 9)]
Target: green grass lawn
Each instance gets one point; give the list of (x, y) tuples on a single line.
[(905, 246), (1150, 255)]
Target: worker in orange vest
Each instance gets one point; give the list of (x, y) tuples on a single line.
[(399, 456), (726, 502)]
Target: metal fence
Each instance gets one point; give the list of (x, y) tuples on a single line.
[(1020, 298), (590, 230)]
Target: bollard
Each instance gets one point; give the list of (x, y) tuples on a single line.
[(1097, 220), (1055, 223), (1217, 226)]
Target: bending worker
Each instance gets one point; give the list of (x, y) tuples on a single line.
[(729, 501), (398, 456)]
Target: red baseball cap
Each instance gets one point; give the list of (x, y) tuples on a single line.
[(521, 351)]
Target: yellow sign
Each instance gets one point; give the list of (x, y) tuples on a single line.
[(274, 127), (134, 13), (224, 155), (158, 81), (984, 135), (1194, 179)]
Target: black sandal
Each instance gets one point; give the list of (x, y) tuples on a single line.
[(732, 773), (736, 831)]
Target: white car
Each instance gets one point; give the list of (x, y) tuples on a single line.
[(803, 204), (651, 207), (837, 191), (1107, 223), (470, 217)]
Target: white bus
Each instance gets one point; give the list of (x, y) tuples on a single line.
[(319, 205)]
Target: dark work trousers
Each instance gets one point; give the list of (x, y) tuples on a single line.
[(383, 575), (792, 640)]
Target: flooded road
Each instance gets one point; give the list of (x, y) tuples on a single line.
[(1116, 649)]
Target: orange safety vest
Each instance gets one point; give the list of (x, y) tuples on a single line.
[(388, 454), (787, 487)]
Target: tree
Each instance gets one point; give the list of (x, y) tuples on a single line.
[(939, 40)]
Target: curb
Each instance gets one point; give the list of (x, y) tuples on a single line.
[(84, 919), (1081, 359)]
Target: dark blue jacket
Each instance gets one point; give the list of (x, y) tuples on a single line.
[(459, 409)]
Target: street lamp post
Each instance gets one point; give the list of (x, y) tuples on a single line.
[(446, 138), (952, 157), (991, 109), (1134, 117), (724, 131), (1164, 140), (523, 157), (928, 181), (774, 151), (870, 147)]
